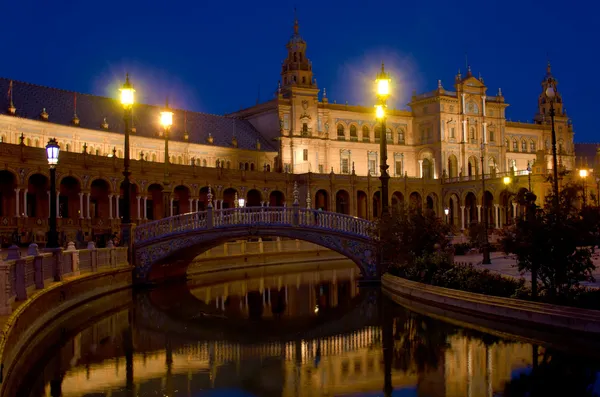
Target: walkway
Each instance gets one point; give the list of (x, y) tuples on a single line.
[(507, 266)]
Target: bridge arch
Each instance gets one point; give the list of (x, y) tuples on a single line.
[(164, 249)]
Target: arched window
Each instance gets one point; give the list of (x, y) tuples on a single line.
[(353, 133), (377, 133), (241, 165), (365, 131), (97, 152), (532, 146), (515, 145), (340, 131), (472, 133), (204, 163), (401, 136), (506, 144), (246, 166), (3, 139), (523, 145), (268, 167)]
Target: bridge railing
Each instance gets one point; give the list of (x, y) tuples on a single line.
[(248, 216)]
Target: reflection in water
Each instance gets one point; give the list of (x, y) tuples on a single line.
[(261, 335)]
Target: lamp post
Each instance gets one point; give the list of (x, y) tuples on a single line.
[(166, 120), (583, 174), (506, 180), (383, 92), (52, 151), (486, 249), (127, 100), (529, 176), (597, 191), (447, 211), (551, 96)]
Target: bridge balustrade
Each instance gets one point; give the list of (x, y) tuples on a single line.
[(248, 216)]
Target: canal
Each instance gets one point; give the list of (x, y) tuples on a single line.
[(297, 330)]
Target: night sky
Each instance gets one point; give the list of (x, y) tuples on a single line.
[(220, 56)]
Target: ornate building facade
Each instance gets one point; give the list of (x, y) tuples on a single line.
[(436, 151)]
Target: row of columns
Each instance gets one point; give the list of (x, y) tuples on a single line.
[(497, 215)]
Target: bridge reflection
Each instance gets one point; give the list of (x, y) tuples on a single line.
[(368, 345)]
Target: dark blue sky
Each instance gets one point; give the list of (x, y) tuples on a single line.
[(212, 56)]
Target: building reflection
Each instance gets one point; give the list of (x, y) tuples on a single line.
[(118, 356)]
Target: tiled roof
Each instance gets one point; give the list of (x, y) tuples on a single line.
[(30, 99)]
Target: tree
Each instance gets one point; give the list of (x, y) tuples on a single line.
[(549, 243), (409, 234)]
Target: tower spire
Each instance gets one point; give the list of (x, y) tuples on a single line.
[(295, 21)]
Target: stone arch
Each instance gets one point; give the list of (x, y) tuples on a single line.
[(104, 179), (470, 201), (415, 201), (401, 134), (203, 198), (100, 189), (155, 202), (254, 198), (9, 181), (472, 166), (37, 188), (341, 130), (342, 202), (353, 131), (397, 202), (454, 210), (229, 197), (182, 194), (376, 204), (366, 133), (60, 178), (432, 202), (452, 166), (322, 200), (362, 204), (276, 198), (172, 254), (68, 199)]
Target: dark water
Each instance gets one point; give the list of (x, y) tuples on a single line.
[(288, 331)]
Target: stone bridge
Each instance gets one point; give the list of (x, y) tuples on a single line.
[(164, 248)]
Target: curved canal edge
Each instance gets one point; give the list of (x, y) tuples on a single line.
[(500, 310), (45, 305)]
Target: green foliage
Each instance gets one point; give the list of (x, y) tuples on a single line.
[(436, 269), (552, 243), (409, 234)]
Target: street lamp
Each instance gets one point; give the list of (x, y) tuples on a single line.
[(241, 203), (127, 100), (382, 83), (507, 180), (583, 174), (486, 249), (52, 151), (447, 211), (551, 96), (529, 176), (166, 120)]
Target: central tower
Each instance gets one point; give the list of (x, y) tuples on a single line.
[(296, 70)]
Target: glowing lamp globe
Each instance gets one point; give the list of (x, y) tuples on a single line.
[(583, 173), (127, 94), (166, 118), (52, 151), (241, 203), (446, 211), (383, 83), (379, 112), (506, 180)]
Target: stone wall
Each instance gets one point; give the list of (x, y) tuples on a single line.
[(21, 276)]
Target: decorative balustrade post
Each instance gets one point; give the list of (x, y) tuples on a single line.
[(309, 215), (296, 206), (74, 258), (38, 276), (209, 209), (57, 269), (20, 289), (93, 256), (5, 307)]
